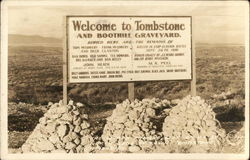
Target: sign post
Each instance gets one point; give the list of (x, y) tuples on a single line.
[(65, 75), (131, 91), (193, 81)]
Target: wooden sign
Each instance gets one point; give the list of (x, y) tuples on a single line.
[(127, 49)]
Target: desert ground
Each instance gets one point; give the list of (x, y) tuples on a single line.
[(35, 79)]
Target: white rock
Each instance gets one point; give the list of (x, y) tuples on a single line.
[(77, 129), (123, 148), (84, 132), (77, 122), (113, 147), (67, 139), (79, 105), (70, 145), (134, 149), (121, 119), (146, 120), (26, 148), (86, 140), (51, 127), (50, 104), (61, 110), (59, 145), (71, 103), (42, 120), (150, 112), (85, 125), (54, 139), (77, 141), (45, 145), (75, 117), (117, 133), (35, 148), (133, 115), (62, 130), (67, 117), (88, 148), (76, 112), (80, 149), (73, 135), (129, 124), (84, 116)]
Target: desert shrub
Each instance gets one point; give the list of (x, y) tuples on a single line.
[(230, 113), (219, 83), (24, 122)]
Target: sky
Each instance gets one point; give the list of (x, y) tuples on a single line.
[(212, 23)]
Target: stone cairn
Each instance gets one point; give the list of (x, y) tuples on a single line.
[(192, 123), (129, 128), (239, 138), (235, 141), (63, 129)]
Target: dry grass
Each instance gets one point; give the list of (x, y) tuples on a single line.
[(35, 76)]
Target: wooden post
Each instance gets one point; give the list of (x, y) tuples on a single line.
[(131, 91), (65, 83), (193, 82)]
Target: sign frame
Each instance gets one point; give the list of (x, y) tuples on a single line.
[(131, 82)]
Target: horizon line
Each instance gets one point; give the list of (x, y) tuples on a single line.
[(60, 38)]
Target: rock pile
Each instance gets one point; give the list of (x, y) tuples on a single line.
[(63, 129), (192, 123), (129, 128), (235, 141), (240, 140)]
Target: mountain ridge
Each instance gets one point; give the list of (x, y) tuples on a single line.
[(20, 39)]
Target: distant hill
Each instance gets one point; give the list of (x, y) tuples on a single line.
[(217, 44), (36, 40), (33, 40)]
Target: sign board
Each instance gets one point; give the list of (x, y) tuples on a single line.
[(128, 48)]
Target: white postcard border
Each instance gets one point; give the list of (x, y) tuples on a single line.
[(4, 86)]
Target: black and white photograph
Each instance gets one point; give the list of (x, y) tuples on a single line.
[(124, 79)]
